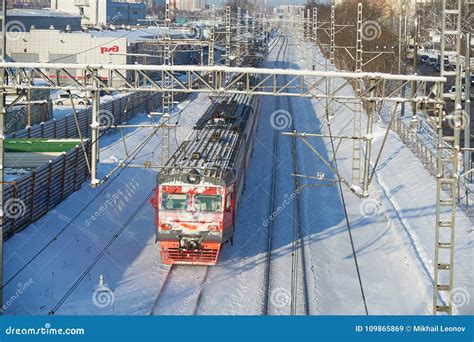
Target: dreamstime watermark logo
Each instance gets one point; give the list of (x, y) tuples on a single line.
[(280, 297), (14, 208), (459, 119), (370, 208), (46, 330), (110, 202), (196, 208), (371, 30), (12, 121), (113, 21), (22, 287), (192, 299), (106, 120), (460, 297), (287, 201), (103, 296), (281, 119), (16, 30)]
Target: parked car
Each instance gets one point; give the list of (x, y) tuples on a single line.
[(65, 100), (424, 58), (432, 60), (472, 80), (447, 67), (452, 93)]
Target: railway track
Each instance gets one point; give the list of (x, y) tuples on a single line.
[(104, 250), (276, 296), (299, 255), (181, 291)]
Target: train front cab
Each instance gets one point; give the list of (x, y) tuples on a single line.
[(193, 222)]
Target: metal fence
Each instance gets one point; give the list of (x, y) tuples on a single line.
[(122, 109), (416, 145), (35, 193), (429, 158)]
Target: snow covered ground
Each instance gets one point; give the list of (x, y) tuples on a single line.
[(131, 267), (403, 202), (393, 232)]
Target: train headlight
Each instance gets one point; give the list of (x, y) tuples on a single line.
[(194, 177)]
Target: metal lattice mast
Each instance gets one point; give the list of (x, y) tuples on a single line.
[(238, 35), (308, 24), (247, 47), (254, 29), (332, 50), (315, 36), (167, 100), (356, 145), (315, 25), (95, 126), (448, 165), (467, 106), (359, 44), (368, 142), (212, 42), (414, 109), (264, 28), (333, 34), (227, 35)]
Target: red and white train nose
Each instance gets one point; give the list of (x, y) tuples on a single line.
[(173, 253)]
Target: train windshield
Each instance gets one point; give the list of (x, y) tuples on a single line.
[(174, 201), (208, 202)]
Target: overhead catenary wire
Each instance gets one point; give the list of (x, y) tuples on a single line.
[(341, 191), (70, 223)]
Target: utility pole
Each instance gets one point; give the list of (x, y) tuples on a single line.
[(448, 166), (332, 56), (227, 35), (315, 35), (402, 31), (168, 95), (95, 131), (467, 108), (414, 117), (2, 141), (238, 35), (247, 47), (356, 144), (210, 55)]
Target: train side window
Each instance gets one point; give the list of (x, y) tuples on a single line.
[(228, 202)]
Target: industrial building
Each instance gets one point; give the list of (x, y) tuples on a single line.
[(50, 46), (24, 19), (109, 47), (189, 5), (102, 12)]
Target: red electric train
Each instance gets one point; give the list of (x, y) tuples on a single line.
[(199, 189)]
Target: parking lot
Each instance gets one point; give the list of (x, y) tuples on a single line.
[(428, 70)]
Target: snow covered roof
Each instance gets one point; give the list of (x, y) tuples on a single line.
[(46, 12), (141, 33)]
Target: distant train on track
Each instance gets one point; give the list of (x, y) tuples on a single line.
[(199, 189)]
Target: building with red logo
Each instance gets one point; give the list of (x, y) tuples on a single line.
[(55, 46)]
